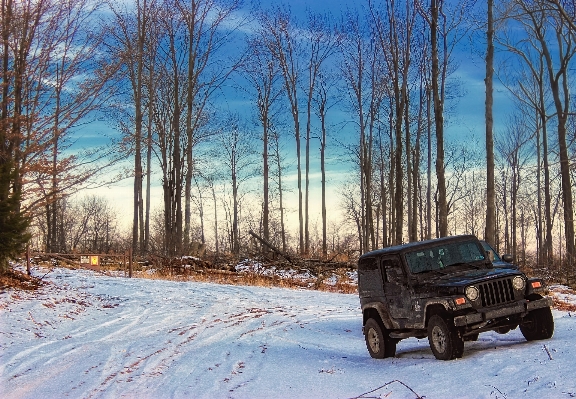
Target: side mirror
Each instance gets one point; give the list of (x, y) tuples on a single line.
[(507, 258)]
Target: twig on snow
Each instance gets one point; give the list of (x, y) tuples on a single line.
[(547, 351), (388, 383), (49, 271), (500, 392)]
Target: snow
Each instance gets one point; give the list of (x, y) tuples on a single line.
[(248, 266), (87, 335)]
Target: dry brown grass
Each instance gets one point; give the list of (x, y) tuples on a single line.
[(341, 288), (18, 280), (559, 304), (251, 279), (564, 306)]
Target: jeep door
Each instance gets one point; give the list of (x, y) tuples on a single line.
[(396, 288)]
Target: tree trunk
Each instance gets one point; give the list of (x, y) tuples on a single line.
[(438, 123), (217, 248), (266, 177), (137, 92), (149, 157), (429, 167), (322, 101), (490, 233), (548, 252), (280, 191), (235, 238)]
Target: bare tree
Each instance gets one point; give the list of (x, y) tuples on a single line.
[(86, 224), (460, 158), (352, 209), (209, 26), (567, 9), (383, 154), (445, 32), (101, 226), (175, 63), (537, 21), (133, 35), (276, 153), (237, 150), (363, 70), (321, 43), (395, 36), (261, 70), (527, 83), (515, 153), (283, 45), (322, 105), (422, 215), (168, 119), (152, 53), (77, 39)]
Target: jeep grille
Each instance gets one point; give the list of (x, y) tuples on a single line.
[(496, 292)]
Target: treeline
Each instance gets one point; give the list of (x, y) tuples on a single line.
[(224, 104)]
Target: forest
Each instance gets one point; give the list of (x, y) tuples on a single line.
[(324, 132)]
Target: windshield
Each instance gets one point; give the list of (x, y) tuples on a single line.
[(444, 255)]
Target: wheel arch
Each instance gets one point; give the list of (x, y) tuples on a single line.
[(434, 309), (378, 313), (372, 313)]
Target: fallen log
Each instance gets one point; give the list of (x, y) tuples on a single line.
[(272, 247)]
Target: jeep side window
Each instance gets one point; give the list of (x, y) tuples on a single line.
[(393, 271)]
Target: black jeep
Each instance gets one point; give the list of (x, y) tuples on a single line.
[(448, 290)]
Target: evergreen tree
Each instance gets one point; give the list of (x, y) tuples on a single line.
[(13, 223)]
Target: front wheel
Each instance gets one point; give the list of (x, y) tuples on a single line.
[(445, 340), (378, 342), (538, 324)]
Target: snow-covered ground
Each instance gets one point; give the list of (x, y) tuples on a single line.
[(86, 335)]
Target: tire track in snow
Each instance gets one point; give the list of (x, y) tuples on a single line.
[(213, 327), (214, 338)]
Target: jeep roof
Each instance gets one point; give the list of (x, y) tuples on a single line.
[(411, 246)]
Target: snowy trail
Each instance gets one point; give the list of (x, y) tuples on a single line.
[(93, 336)]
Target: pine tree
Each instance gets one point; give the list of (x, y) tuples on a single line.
[(13, 223)]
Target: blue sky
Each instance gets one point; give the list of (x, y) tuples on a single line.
[(465, 124)]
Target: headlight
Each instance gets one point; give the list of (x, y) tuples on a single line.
[(518, 283), (472, 293)]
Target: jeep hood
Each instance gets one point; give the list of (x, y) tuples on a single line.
[(460, 278)]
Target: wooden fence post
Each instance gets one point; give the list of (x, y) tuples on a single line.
[(130, 263), (28, 260)]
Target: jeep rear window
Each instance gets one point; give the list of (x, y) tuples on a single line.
[(369, 278), (444, 255)]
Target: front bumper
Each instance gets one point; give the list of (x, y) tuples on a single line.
[(516, 308)]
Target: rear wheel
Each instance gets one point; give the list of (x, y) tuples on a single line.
[(445, 340), (538, 324), (378, 342)]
